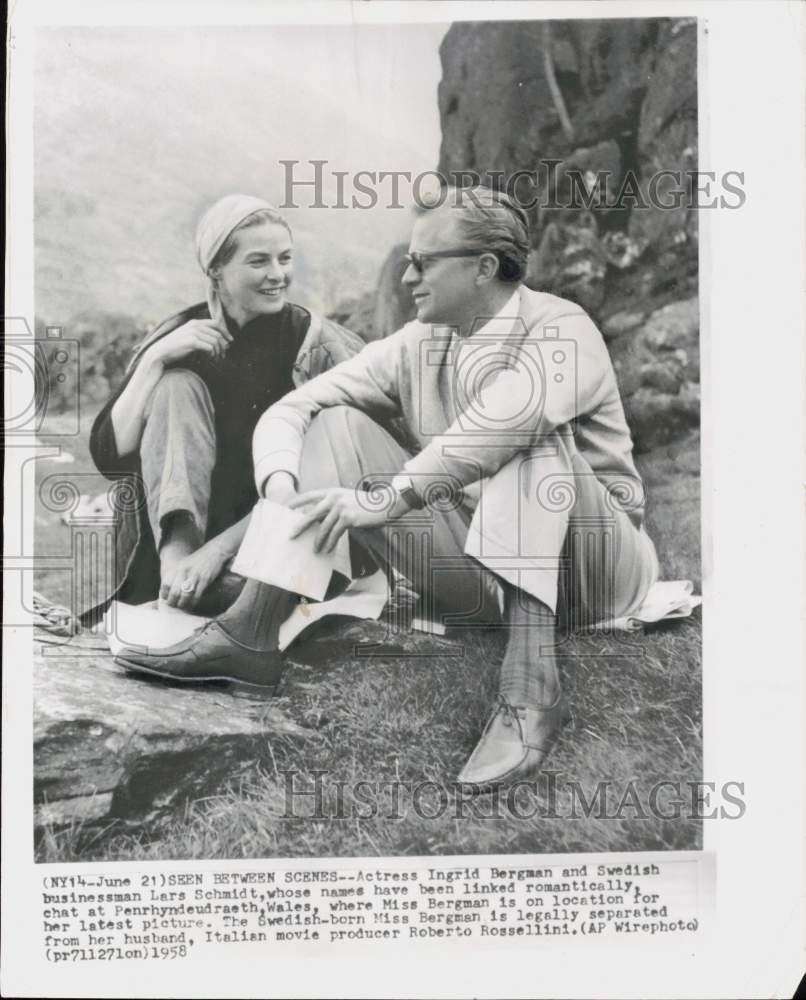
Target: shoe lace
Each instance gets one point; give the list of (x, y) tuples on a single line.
[(509, 712)]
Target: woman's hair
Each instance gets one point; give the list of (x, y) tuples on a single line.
[(490, 220), (230, 244)]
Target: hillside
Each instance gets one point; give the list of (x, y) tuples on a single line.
[(135, 136)]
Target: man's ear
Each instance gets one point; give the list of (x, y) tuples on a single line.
[(488, 267)]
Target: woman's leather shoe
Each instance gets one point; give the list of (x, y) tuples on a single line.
[(209, 654), (515, 743)]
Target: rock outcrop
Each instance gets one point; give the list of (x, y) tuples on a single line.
[(109, 746), (667, 139), (657, 362), (612, 102), (515, 92), (393, 306), (572, 262), (386, 309)]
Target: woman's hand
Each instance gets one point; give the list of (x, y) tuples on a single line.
[(194, 574), (195, 335), (336, 510), (128, 412)]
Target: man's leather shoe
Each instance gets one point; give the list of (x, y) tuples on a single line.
[(515, 743), (209, 654)]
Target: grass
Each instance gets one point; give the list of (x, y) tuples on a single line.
[(387, 718)]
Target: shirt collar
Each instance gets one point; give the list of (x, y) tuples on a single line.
[(500, 325), (510, 309)]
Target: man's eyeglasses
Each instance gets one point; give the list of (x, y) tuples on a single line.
[(417, 260)]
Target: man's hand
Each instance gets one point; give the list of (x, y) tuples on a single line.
[(336, 510)]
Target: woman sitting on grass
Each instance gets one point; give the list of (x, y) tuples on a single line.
[(182, 421)]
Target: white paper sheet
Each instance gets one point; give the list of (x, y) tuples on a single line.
[(428, 626), (364, 598), (268, 553), (666, 599), (154, 625)]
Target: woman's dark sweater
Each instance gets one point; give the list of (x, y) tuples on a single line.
[(254, 373)]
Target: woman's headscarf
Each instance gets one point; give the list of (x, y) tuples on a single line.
[(215, 226)]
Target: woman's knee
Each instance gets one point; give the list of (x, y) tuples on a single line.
[(180, 385), (180, 380)]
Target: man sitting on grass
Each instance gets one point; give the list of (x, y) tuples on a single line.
[(520, 484)]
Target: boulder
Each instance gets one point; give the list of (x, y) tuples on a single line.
[(345, 307), (570, 261), (386, 309), (358, 316), (394, 306), (497, 106), (587, 179), (112, 746), (621, 322), (615, 58), (667, 140), (657, 363), (495, 103)]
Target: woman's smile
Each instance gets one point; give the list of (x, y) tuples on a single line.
[(263, 266)]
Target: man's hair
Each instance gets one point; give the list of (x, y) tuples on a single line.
[(490, 220), (230, 244)]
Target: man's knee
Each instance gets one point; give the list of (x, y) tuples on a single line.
[(343, 426), (342, 418), (339, 443)]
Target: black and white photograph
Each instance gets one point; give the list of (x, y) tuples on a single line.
[(452, 329), (369, 492)]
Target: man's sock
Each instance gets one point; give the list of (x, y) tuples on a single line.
[(256, 616), (529, 674)]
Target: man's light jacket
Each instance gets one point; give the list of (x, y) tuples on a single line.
[(517, 425)]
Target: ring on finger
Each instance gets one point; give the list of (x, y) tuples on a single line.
[(187, 586)]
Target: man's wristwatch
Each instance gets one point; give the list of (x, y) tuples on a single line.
[(404, 487)]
